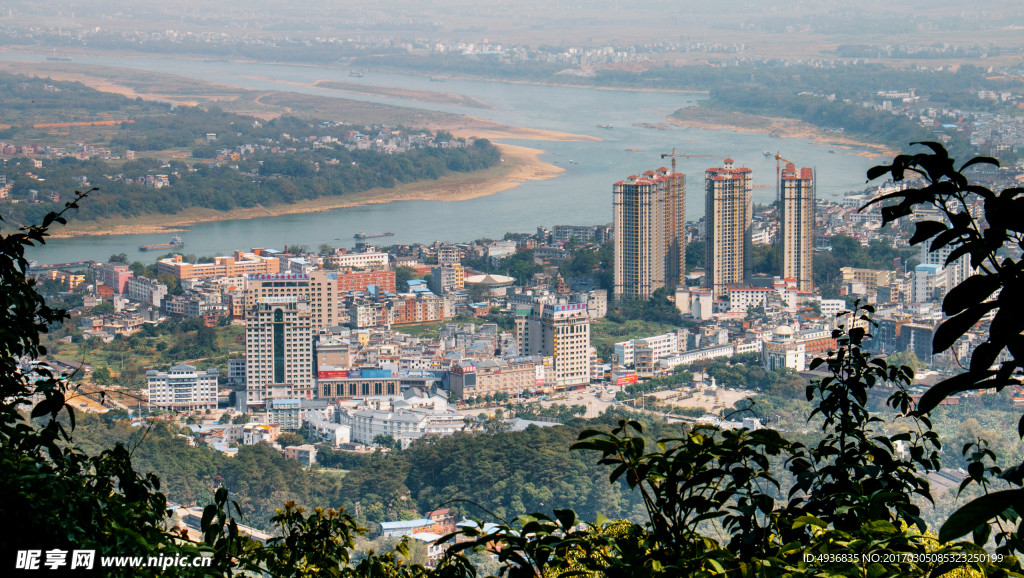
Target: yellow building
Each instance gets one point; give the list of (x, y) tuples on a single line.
[(871, 278), (728, 210)]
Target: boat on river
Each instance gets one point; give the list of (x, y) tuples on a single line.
[(605, 126), (372, 235), (175, 243)]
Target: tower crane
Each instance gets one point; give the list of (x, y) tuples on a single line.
[(778, 176), (677, 219), (780, 260)]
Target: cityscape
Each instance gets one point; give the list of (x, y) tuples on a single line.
[(539, 290)]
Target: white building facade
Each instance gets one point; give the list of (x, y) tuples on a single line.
[(183, 388)]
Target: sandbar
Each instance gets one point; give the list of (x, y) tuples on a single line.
[(710, 119), (520, 164)]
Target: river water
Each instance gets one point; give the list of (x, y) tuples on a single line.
[(579, 196)]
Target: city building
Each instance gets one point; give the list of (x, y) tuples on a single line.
[(561, 332), (649, 231), (582, 233), (146, 290), (930, 283), (871, 278), (257, 433), (335, 384), (479, 378), (447, 278), (236, 372), (728, 208), (784, 350), (304, 454), (661, 345), (183, 388), (406, 424), (283, 313), (286, 412), (796, 192), (369, 260), (956, 272), (113, 275), (320, 427), (241, 263), (383, 280)]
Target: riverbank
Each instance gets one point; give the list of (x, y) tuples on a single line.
[(702, 118), (520, 164)]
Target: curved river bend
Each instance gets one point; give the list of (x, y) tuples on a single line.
[(579, 196)]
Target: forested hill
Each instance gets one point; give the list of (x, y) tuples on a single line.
[(244, 162), (508, 473)]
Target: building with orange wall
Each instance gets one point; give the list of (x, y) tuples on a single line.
[(240, 263)]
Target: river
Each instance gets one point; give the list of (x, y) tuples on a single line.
[(579, 196)]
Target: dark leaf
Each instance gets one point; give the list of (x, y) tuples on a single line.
[(927, 230), (976, 513)]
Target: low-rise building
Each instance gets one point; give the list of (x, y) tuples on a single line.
[(258, 261), (183, 388), (478, 378), (304, 454), (322, 428), (404, 425)]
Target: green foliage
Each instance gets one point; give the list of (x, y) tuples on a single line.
[(695, 255), (101, 375), (402, 276), (658, 308), (264, 178), (994, 289), (105, 308), (290, 439), (716, 504), (904, 358), (848, 252), (386, 441)]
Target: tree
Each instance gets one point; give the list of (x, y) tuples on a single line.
[(694, 255), (101, 375), (904, 358), (290, 439), (402, 276), (225, 418), (119, 258), (994, 289), (105, 308), (241, 419), (386, 440)]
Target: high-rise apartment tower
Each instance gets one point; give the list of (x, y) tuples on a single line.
[(282, 314), (649, 231), (728, 208), (796, 212)]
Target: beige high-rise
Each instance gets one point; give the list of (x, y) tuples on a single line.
[(796, 196), (728, 208), (649, 217), (282, 314)]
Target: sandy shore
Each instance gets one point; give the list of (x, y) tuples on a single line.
[(520, 164), (703, 119)]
